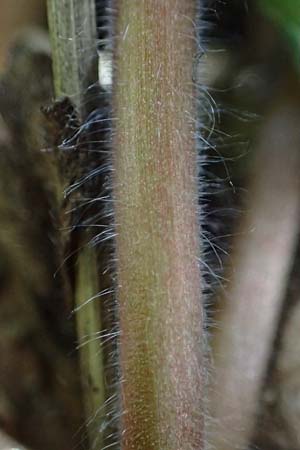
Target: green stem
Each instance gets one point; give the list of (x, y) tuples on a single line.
[(91, 355), (72, 26), (157, 247)]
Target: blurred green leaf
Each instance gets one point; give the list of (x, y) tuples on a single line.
[(286, 15)]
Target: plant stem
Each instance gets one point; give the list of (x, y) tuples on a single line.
[(91, 355), (72, 26), (157, 246)]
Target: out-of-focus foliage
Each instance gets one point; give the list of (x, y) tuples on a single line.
[(286, 15), (15, 16)]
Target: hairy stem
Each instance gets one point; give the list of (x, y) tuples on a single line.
[(157, 246)]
